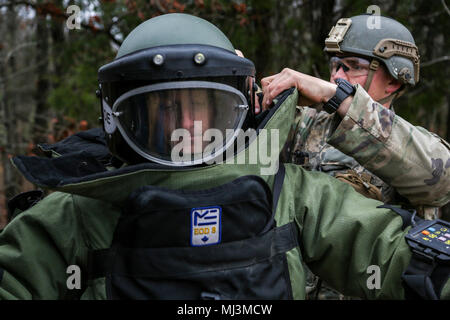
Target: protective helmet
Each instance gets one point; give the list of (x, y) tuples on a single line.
[(175, 77), (386, 41)]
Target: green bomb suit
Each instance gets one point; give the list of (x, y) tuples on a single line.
[(340, 232)]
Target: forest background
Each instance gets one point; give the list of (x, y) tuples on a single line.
[(48, 71)]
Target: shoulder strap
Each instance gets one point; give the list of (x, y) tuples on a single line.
[(409, 217), (277, 186), (276, 192)]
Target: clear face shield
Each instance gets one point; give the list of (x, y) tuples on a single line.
[(180, 123)]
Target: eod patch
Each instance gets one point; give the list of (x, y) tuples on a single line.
[(206, 226)]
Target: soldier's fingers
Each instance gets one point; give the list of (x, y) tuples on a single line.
[(277, 86), (266, 85), (267, 100), (267, 80)]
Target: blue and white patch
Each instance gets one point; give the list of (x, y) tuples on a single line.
[(206, 226)]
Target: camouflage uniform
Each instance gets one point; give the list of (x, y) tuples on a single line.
[(376, 151), (409, 164)]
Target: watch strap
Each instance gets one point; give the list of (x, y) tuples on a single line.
[(343, 90), (424, 278)]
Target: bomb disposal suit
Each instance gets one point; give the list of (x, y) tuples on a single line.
[(169, 201)]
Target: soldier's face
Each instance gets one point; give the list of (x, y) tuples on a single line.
[(192, 107)]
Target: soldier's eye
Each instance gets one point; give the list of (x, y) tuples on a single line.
[(353, 65)]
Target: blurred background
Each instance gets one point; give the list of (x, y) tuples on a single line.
[(48, 64)]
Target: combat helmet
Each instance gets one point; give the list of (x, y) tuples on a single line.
[(175, 75), (384, 40)]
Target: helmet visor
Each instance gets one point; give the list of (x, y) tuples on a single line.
[(180, 123)]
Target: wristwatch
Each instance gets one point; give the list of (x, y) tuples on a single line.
[(343, 90)]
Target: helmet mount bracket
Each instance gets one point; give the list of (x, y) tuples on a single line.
[(387, 48), (337, 34)]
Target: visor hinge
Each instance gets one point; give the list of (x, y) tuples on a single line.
[(242, 106)]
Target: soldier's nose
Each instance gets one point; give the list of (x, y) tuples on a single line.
[(338, 74)]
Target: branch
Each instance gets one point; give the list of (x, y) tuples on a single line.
[(440, 59), (23, 71), (46, 9), (23, 45), (27, 3), (116, 21), (160, 7), (445, 7)]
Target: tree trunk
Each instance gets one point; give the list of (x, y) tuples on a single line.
[(42, 83), (11, 179)]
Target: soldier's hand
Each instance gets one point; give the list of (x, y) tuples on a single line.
[(312, 90)]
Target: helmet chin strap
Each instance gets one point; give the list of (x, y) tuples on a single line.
[(373, 67)]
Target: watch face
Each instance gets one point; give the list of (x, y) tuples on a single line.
[(346, 86), (436, 236)]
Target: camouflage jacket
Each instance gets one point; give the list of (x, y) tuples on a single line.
[(408, 164)]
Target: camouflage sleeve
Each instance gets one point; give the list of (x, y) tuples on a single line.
[(308, 133), (411, 159)]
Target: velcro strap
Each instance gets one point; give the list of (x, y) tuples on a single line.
[(174, 262), (406, 215), (425, 278)]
